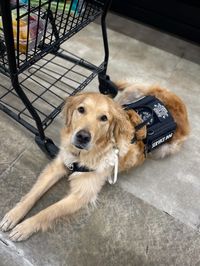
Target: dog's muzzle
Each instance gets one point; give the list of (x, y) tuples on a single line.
[(82, 139)]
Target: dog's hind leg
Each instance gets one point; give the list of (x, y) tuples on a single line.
[(51, 174), (166, 149), (131, 93)]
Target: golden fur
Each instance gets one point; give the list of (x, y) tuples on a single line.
[(117, 131)]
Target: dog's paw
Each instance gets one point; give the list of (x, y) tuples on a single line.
[(11, 218), (23, 231)]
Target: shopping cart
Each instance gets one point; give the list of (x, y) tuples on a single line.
[(42, 74)]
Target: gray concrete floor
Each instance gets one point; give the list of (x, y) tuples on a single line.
[(152, 215)]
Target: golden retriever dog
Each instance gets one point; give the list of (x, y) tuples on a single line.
[(97, 136)]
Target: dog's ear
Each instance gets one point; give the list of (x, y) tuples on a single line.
[(136, 120), (120, 126), (70, 104), (68, 110)]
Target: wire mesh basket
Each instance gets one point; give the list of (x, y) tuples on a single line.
[(41, 25)]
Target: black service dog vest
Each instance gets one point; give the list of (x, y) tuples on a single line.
[(159, 121)]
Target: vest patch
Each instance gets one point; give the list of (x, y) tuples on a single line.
[(162, 140), (160, 110)]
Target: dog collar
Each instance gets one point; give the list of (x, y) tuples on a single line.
[(75, 167)]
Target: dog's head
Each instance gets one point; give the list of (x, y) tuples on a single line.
[(95, 119)]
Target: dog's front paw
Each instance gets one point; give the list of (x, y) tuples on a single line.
[(23, 230), (11, 218)]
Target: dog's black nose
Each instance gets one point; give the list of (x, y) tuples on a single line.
[(83, 136)]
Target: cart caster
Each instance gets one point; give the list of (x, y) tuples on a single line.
[(106, 86), (47, 146)]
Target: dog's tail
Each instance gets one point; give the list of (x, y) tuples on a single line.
[(121, 84)]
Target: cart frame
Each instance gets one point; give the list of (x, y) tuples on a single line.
[(13, 63)]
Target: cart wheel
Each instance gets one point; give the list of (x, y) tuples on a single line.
[(106, 86), (47, 146)]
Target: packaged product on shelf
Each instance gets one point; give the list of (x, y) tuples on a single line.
[(74, 6), (13, 4), (61, 5), (30, 25), (21, 2)]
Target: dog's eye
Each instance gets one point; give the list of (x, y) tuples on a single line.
[(81, 109), (103, 118)]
